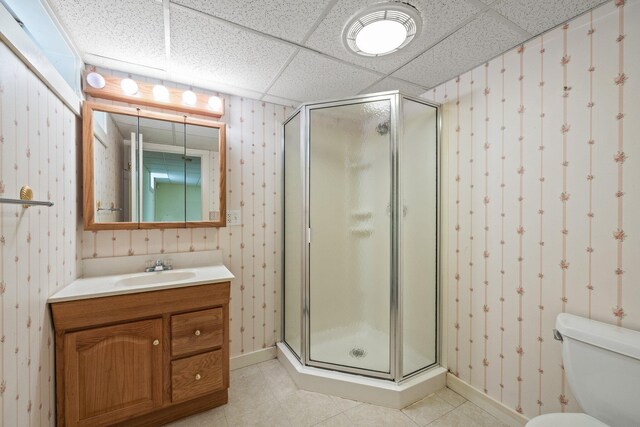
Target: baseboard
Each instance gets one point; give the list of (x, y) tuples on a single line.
[(252, 358), (489, 404)]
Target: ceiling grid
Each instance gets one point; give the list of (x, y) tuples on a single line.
[(291, 51)]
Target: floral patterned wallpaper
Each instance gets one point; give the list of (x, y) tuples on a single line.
[(39, 246), (541, 196), (542, 200)]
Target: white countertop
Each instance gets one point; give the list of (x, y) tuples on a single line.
[(103, 286)]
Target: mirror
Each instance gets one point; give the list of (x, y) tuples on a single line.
[(152, 170)]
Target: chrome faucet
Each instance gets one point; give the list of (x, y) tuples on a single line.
[(160, 266)]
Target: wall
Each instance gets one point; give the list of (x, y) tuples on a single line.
[(170, 202), (543, 189), (39, 246), (252, 250)]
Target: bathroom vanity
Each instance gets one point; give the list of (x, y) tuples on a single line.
[(141, 349)]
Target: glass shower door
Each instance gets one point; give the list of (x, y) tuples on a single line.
[(417, 153), (350, 236), (293, 236)]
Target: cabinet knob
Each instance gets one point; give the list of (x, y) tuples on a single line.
[(197, 332), (198, 377), (156, 342)]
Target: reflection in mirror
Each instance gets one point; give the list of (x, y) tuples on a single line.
[(163, 171), (115, 190), (202, 180)]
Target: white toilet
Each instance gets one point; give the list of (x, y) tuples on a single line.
[(602, 365)]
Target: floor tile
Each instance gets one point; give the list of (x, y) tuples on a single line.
[(454, 418), (306, 408), (479, 415), (248, 389), (344, 404), (427, 410), (265, 415), (271, 363), (339, 420), (366, 415), (211, 418), (451, 397), (239, 374), (264, 395), (278, 379)]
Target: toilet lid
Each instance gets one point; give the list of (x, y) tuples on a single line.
[(565, 420)]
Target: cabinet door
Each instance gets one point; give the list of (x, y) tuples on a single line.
[(113, 373)]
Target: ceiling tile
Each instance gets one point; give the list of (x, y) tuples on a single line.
[(475, 43), (395, 84), (127, 30), (290, 20), (537, 16), (438, 19), (281, 101), (203, 47), (313, 77)]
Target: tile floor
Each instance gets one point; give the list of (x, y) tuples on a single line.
[(265, 395)]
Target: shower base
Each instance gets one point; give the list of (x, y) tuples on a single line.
[(361, 388), (360, 345)]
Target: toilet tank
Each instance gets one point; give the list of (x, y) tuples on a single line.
[(602, 365)]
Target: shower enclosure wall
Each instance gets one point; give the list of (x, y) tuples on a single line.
[(361, 235)]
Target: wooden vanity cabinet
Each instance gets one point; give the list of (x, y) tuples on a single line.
[(141, 359)]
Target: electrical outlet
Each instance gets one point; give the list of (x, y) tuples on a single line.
[(233, 217)]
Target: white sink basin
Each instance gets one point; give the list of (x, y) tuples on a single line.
[(133, 280), (156, 278)]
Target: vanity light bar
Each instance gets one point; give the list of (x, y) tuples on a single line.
[(152, 95)]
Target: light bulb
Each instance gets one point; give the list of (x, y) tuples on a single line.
[(381, 37), (215, 103), (95, 80), (160, 93), (189, 97), (129, 87)]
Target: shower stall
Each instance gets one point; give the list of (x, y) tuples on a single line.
[(361, 212)]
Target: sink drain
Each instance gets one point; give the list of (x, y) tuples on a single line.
[(357, 352)]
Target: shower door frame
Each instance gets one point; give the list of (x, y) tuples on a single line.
[(395, 318)]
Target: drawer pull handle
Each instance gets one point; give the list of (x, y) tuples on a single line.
[(197, 332), (156, 342), (198, 377)]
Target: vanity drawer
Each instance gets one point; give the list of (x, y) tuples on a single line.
[(196, 375), (199, 330)]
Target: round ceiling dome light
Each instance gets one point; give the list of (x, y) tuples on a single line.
[(382, 29)]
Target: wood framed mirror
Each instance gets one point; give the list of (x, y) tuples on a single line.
[(146, 170)]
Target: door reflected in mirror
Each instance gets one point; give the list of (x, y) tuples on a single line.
[(150, 171)]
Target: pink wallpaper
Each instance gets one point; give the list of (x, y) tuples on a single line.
[(543, 195), (39, 246), (252, 250)]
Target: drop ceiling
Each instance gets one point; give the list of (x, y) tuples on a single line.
[(291, 51)]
